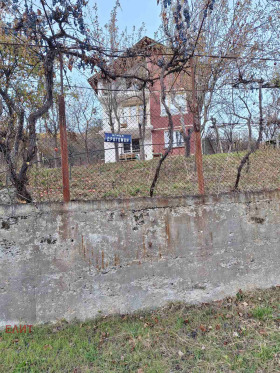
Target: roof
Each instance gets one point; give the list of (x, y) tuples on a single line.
[(147, 43), (143, 46)]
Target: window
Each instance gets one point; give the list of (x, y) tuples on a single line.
[(132, 115), (133, 111), (178, 139), (126, 148), (134, 147), (177, 104), (125, 115)]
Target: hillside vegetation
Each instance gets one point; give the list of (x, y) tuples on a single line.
[(177, 177)]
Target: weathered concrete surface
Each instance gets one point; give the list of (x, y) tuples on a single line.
[(8, 196), (77, 260)]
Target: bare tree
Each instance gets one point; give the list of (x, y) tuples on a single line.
[(22, 110), (217, 133), (83, 117), (181, 106), (51, 125), (113, 93), (245, 159), (272, 118)]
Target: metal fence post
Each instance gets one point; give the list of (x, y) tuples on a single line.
[(63, 141)]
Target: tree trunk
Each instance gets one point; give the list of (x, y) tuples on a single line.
[(249, 135), (170, 131), (141, 142), (117, 156), (111, 123), (246, 158), (56, 147), (87, 150), (196, 125), (187, 142), (20, 179), (142, 126), (218, 138), (142, 149)]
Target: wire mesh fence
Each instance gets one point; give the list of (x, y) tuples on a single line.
[(132, 178), (104, 170)]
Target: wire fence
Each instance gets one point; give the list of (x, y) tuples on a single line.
[(104, 170), (178, 176)]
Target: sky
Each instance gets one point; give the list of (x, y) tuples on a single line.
[(132, 13)]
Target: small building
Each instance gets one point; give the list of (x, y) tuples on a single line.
[(130, 108)]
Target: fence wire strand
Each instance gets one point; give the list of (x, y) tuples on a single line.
[(106, 170)]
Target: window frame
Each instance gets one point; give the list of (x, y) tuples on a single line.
[(139, 116), (175, 143), (172, 108), (137, 151)]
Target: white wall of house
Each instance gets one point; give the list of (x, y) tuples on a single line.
[(109, 149), (130, 116)]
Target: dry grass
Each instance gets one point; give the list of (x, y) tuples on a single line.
[(177, 177), (240, 334)]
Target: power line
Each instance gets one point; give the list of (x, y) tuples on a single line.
[(71, 86), (104, 50), (168, 91)]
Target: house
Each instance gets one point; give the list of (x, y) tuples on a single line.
[(131, 109)]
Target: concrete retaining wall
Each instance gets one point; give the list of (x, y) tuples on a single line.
[(77, 260)]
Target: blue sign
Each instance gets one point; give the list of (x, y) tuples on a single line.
[(115, 137)]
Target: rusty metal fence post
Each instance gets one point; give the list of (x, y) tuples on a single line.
[(63, 141)]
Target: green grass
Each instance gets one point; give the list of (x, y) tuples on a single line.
[(239, 334), (177, 177), (262, 313)]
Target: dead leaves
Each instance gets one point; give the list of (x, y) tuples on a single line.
[(147, 343), (47, 347), (229, 316), (263, 332), (203, 328), (180, 353)]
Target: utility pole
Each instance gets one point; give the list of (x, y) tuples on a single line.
[(63, 139), (197, 133)]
